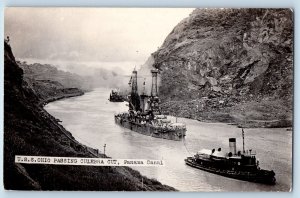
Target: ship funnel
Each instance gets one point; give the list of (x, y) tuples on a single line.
[(232, 145), (154, 91)]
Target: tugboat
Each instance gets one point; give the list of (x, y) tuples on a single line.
[(115, 96), (237, 165), (145, 116)]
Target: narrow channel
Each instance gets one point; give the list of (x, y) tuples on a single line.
[(90, 118)]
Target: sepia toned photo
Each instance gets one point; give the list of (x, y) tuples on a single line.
[(148, 99)]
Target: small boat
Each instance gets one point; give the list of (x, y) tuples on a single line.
[(115, 96), (238, 165)]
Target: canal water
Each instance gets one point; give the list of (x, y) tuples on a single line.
[(90, 118)]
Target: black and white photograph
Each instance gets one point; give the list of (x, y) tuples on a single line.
[(148, 99)]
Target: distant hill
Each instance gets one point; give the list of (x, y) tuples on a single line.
[(49, 84), (229, 65), (101, 77), (48, 72)]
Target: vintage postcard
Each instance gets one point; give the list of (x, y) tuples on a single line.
[(148, 99)]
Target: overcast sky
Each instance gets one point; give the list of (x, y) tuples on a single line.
[(92, 37)]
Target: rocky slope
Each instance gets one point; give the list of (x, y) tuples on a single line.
[(230, 65), (30, 130), (49, 83), (48, 91)]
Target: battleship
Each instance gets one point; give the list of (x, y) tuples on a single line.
[(115, 96), (237, 165), (145, 116)]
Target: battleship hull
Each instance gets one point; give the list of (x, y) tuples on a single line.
[(116, 100), (149, 130), (257, 176)]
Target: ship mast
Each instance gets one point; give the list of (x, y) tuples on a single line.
[(134, 88), (135, 99), (154, 100), (143, 97), (154, 91), (243, 135), (144, 87)]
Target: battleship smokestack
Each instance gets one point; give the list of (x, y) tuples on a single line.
[(154, 83), (232, 146)]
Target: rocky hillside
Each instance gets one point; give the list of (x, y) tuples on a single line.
[(30, 130), (231, 65)]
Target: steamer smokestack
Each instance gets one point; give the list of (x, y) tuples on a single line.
[(154, 91), (232, 145)]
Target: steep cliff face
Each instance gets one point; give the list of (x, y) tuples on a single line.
[(220, 61)]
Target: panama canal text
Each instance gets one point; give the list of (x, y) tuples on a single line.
[(86, 161)]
